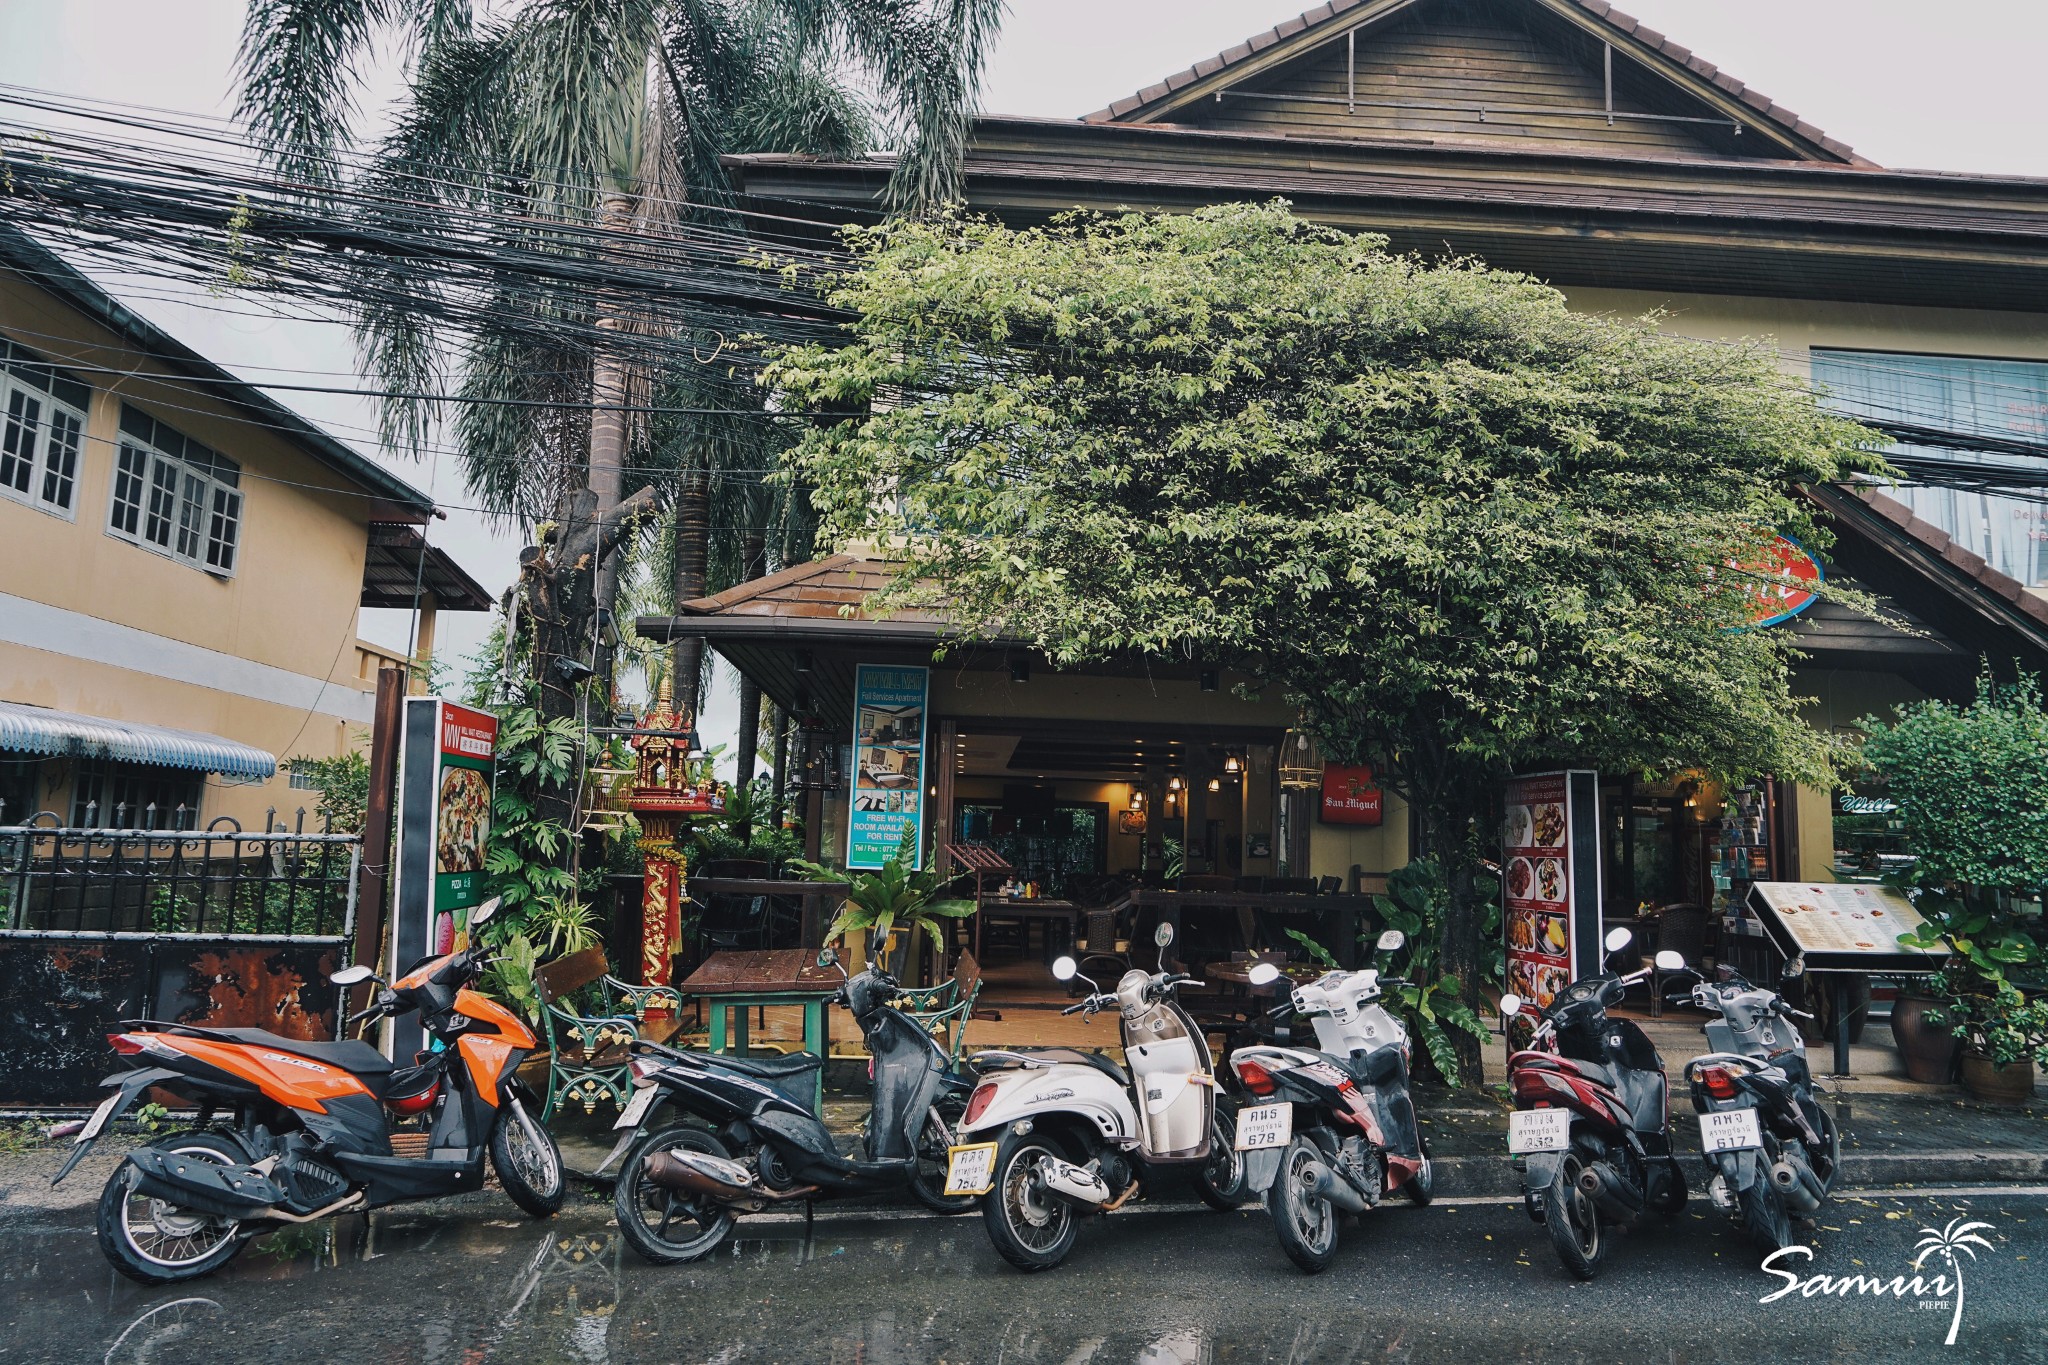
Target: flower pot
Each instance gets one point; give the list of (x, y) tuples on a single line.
[(1929, 1050), (2011, 1084)]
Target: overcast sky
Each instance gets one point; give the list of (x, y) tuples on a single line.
[(1957, 86)]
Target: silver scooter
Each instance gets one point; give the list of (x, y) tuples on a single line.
[(1054, 1133)]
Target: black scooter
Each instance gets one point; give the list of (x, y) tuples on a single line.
[(1771, 1150), (737, 1135)]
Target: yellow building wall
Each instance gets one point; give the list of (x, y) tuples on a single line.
[(291, 604)]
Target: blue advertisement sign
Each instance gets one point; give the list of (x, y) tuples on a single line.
[(888, 764)]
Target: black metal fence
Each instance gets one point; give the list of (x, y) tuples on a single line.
[(219, 882)]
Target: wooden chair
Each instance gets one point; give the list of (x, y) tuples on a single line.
[(589, 1019)]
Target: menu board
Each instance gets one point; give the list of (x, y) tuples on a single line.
[(445, 764), (1550, 882), (888, 756), (1843, 925)]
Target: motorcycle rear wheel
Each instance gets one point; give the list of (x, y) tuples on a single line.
[(1031, 1228), (1220, 1181), (1573, 1221), (1827, 1164), (157, 1242), (1421, 1187), (1306, 1223), (530, 1171), (1669, 1198), (1764, 1215), (669, 1227)]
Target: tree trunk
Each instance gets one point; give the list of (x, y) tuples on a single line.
[(778, 721), (1452, 827), (608, 421), (693, 552)]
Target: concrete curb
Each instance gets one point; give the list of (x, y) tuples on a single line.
[(1487, 1176)]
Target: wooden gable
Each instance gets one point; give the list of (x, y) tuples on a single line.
[(1571, 74)]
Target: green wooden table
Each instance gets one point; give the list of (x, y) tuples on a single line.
[(742, 981)]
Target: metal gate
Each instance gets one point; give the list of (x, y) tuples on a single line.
[(219, 927)]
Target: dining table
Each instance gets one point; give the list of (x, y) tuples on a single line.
[(732, 982)]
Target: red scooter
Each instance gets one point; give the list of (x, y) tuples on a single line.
[(1591, 1129)]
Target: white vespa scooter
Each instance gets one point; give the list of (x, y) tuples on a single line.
[(1051, 1133)]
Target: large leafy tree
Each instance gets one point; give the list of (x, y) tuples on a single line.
[(1463, 529), (606, 118)]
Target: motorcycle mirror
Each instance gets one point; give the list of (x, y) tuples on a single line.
[(1392, 941), (1670, 961), (1511, 1005), (828, 957), (485, 911), (1262, 974), (1163, 935), (1794, 966), (1066, 969), (349, 976), (1617, 939)]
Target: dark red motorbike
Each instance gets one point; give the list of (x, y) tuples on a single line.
[(1591, 1130)]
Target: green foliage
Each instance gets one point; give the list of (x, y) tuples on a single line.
[(1317, 953), (1416, 903), (1994, 1019), (151, 1117), (559, 926), (344, 787), (743, 832), (1176, 859), (525, 853), (509, 980), (893, 895)]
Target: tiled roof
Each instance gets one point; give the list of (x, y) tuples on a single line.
[(1602, 13), (822, 590)]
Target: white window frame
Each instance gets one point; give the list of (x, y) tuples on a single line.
[(47, 451), (184, 491)]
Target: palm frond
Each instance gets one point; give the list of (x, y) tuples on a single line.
[(298, 69)]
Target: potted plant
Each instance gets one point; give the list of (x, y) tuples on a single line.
[(1971, 783), (893, 897)]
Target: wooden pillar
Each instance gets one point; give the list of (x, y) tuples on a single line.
[(946, 760), (423, 643), (375, 878)]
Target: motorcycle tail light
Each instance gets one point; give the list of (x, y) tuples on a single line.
[(978, 1103), (1256, 1078), (127, 1044), (644, 1068), (1531, 1087), (1720, 1082)]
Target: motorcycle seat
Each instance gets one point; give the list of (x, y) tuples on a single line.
[(353, 1056), (1073, 1056), (767, 1068)]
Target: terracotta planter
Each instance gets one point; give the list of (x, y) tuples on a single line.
[(2012, 1084), (1928, 1050)]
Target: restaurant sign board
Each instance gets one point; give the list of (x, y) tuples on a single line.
[(1784, 581), (889, 704), (1550, 882), (446, 759), (1350, 796), (1846, 926)]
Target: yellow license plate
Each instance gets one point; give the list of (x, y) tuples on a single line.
[(971, 1169)]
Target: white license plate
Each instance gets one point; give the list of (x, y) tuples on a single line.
[(971, 1169), (636, 1108), (1269, 1125), (1730, 1130), (99, 1117), (1539, 1130)]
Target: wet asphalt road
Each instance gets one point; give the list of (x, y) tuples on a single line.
[(475, 1282)]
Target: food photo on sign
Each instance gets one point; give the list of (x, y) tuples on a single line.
[(1536, 887)]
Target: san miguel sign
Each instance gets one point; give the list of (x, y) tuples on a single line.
[(1350, 796)]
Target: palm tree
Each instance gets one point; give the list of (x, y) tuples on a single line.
[(590, 129), (1957, 1236)]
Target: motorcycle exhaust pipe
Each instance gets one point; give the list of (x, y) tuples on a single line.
[(1325, 1183), (1799, 1186), (1076, 1184), (716, 1177), (1614, 1196)]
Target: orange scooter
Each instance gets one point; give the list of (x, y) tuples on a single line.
[(309, 1134)]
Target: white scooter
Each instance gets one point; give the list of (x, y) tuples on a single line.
[(1051, 1133)]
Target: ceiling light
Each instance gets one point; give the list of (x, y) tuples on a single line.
[(1215, 784), (1232, 763), (1174, 783)]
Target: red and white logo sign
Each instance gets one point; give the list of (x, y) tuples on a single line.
[(470, 734), (1350, 797)]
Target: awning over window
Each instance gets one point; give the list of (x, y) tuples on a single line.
[(39, 730)]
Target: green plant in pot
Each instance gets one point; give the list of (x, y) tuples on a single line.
[(1971, 783), (894, 896)]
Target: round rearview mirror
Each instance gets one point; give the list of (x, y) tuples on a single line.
[(1670, 961), (1066, 969), (1795, 966), (1392, 940), (349, 976), (1263, 974), (1511, 1005), (1617, 939), (485, 911), (828, 957), (1163, 935)]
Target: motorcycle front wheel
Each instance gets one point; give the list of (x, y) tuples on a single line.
[(1220, 1181), (1573, 1221), (1305, 1221), (928, 1180), (669, 1227), (528, 1163), (158, 1242), (1031, 1227)]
